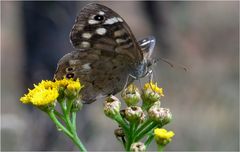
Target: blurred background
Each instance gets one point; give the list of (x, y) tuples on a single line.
[(203, 36)]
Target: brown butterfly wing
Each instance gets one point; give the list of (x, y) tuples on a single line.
[(102, 73), (99, 27)]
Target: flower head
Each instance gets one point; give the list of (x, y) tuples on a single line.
[(154, 88), (138, 147), (134, 114), (112, 106), (131, 95), (162, 136), (151, 94), (43, 94), (70, 86), (160, 115)]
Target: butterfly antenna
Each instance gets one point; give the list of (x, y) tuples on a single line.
[(170, 63)]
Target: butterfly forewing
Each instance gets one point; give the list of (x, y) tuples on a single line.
[(98, 27)]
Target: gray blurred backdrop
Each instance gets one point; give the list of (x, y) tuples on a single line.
[(203, 36)]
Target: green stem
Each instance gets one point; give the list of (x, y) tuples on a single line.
[(160, 148), (145, 131), (72, 125), (122, 123), (144, 125), (118, 118), (66, 106), (74, 114), (149, 140), (58, 124), (59, 115), (65, 114), (131, 135), (77, 141)]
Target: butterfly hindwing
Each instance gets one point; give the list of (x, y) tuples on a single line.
[(97, 72)]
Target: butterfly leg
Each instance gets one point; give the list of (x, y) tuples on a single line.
[(127, 81), (150, 76)]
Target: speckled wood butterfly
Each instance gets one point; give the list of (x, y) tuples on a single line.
[(107, 57)]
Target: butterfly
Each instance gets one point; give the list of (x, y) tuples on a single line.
[(107, 56)]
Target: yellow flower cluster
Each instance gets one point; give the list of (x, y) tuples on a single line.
[(162, 136), (70, 84), (154, 87), (46, 92)]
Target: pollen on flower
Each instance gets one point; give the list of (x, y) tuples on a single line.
[(154, 87), (44, 97), (47, 84)]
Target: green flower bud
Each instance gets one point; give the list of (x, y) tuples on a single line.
[(138, 147), (70, 94), (131, 95), (151, 94), (134, 114), (77, 105), (160, 115), (112, 107)]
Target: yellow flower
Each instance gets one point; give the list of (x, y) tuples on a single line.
[(70, 84), (44, 93), (162, 136), (154, 87), (47, 84)]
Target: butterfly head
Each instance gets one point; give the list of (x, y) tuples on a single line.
[(147, 46)]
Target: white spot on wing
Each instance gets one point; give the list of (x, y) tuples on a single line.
[(120, 40), (119, 33), (86, 66), (87, 35), (101, 13), (111, 21), (120, 19), (93, 22), (101, 31), (85, 44)]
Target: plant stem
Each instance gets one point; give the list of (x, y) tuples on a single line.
[(145, 131), (144, 125), (131, 135), (59, 115), (122, 123), (149, 140), (72, 125), (160, 148), (59, 125), (70, 122)]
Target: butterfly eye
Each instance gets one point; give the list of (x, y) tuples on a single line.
[(99, 17)]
